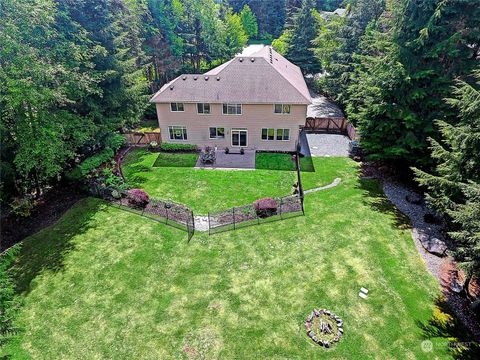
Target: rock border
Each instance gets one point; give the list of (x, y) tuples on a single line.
[(311, 334)]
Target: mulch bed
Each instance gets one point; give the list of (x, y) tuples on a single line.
[(51, 206)]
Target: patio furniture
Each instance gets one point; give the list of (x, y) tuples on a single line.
[(208, 156)]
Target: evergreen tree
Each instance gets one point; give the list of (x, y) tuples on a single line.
[(431, 46), (292, 7), (270, 16), (303, 32), (163, 45), (454, 186), (249, 22), (338, 39), (201, 32), (375, 94)]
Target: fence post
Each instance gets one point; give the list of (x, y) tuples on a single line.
[(193, 222), (209, 223), (233, 212), (281, 204), (166, 219)]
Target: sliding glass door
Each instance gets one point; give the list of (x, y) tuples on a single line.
[(239, 137)]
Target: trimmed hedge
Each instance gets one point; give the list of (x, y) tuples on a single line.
[(178, 147)]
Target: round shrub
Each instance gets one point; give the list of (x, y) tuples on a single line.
[(265, 207), (138, 198)]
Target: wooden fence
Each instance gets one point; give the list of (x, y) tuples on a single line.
[(338, 125), (142, 138)]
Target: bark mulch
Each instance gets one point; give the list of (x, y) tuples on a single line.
[(50, 207)]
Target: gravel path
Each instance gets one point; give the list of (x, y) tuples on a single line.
[(333, 184), (397, 193), (201, 223)]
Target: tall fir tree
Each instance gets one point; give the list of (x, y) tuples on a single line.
[(454, 185), (303, 32), (433, 47)]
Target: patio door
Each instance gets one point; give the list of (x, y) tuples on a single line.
[(239, 137)]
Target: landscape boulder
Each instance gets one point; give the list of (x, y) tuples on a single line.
[(433, 245)]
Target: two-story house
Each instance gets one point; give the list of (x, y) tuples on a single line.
[(255, 102)]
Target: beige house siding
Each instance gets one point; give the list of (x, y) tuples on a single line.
[(254, 117)]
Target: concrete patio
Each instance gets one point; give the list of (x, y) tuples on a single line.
[(232, 160)]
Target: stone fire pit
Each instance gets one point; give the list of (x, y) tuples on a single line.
[(324, 327)]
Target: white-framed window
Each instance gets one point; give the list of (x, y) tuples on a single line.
[(282, 108), (232, 109), (177, 132), (283, 134), (217, 132), (177, 107), (203, 108), (270, 134)]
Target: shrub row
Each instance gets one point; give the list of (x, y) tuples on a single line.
[(90, 164), (87, 166), (178, 147)]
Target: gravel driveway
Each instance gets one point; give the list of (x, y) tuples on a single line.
[(328, 144)]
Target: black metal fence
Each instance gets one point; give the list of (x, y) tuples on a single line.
[(243, 216), (166, 212), (299, 176)]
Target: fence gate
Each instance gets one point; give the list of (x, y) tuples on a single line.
[(142, 138)]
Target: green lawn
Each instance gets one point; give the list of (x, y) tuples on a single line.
[(175, 159), (106, 283), (274, 161)]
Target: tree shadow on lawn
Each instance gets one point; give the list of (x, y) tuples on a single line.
[(443, 324), (47, 249), (376, 199)]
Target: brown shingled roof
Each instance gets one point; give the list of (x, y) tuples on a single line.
[(269, 78)]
